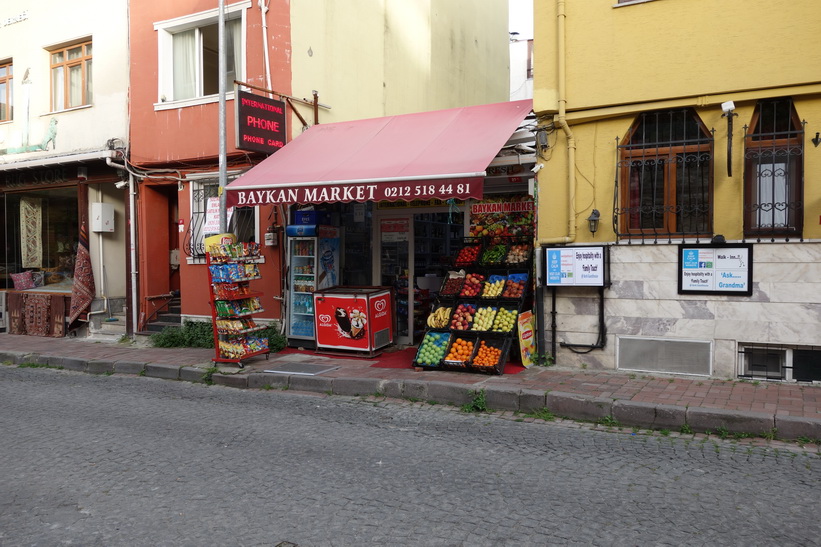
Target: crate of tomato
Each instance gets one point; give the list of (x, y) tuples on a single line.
[(470, 252)]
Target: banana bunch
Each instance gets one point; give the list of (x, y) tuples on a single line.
[(440, 317)]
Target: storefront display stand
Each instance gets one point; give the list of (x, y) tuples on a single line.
[(224, 335)]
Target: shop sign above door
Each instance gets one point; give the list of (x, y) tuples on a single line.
[(260, 122)]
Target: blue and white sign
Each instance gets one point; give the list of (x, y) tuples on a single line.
[(715, 269), (575, 266)]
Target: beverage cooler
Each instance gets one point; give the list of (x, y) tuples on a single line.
[(313, 264), (358, 319)]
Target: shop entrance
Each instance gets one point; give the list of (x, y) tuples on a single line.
[(415, 250)]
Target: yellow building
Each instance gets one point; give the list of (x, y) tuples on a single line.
[(690, 129)]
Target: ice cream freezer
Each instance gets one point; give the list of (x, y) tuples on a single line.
[(358, 319)]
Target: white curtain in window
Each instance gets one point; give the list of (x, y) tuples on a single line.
[(57, 89), (233, 52), (185, 65), (772, 195), (75, 85)]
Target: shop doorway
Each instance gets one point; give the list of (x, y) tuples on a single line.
[(415, 251)]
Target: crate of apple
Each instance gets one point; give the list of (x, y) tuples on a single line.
[(473, 285), (462, 316), (505, 320)]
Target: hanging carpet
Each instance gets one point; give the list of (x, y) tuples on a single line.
[(82, 292)]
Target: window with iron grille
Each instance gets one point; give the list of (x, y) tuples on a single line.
[(768, 362), (242, 221), (774, 171), (665, 169)]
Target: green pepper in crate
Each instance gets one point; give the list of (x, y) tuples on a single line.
[(495, 254)]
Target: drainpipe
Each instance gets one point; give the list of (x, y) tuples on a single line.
[(561, 122), (132, 236)]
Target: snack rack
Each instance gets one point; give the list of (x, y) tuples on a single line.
[(231, 268), (491, 278)]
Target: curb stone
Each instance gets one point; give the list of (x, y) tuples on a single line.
[(503, 398), (711, 419), (167, 372), (99, 367), (356, 387), (192, 374), (258, 380), (793, 427), (316, 384), (230, 380), (531, 400), (445, 392), (128, 367), (581, 407)]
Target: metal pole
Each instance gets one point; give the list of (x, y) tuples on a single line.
[(223, 175)]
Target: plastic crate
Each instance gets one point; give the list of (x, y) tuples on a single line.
[(519, 252), (469, 253), (441, 339), (500, 343), (451, 364), (492, 313), (456, 308), (440, 319), (452, 285), (475, 283), (509, 308), (515, 278), (494, 254), (490, 290)]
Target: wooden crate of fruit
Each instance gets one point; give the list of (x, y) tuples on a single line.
[(469, 254), (462, 317), (490, 354), (516, 285)]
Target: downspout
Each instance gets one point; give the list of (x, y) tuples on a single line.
[(132, 234), (561, 121)]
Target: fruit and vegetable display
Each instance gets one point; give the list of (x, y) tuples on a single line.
[(468, 255), (483, 320), (439, 318), (515, 286), (518, 253), (462, 316), (432, 349), (505, 320), (473, 285), (460, 351), (494, 286), (453, 284), (487, 355), (494, 254)]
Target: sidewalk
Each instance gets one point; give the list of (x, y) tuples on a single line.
[(662, 402)]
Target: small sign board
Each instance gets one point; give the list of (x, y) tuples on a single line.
[(576, 267), (715, 269), (260, 122)]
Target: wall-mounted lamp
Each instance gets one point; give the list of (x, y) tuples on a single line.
[(817, 140), (593, 221), (728, 108)]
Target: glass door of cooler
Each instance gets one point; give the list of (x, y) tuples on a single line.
[(396, 270), (302, 277)]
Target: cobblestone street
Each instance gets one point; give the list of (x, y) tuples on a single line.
[(119, 460)]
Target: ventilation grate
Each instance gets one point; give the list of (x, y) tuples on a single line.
[(664, 355)]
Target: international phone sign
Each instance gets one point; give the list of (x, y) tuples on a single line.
[(716, 269), (260, 122), (576, 267)]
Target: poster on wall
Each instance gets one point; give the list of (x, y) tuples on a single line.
[(394, 230), (576, 267), (715, 269), (503, 216)]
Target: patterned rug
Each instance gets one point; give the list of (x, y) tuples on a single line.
[(82, 292), (36, 314), (31, 232)]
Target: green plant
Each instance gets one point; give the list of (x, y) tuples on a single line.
[(477, 404), (584, 366), (722, 432), (802, 440), (267, 387), (608, 421), (142, 373), (39, 365), (542, 414), (740, 435), (208, 375), (686, 429), (770, 435), (544, 360), (192, 334), (665, 432)]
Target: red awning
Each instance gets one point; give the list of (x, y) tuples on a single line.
[(441, 154)]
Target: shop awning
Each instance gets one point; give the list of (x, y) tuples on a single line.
[(441, 154)]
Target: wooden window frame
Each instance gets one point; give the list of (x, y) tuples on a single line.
[(9, 98), (66, 64), (796, 187), (668, 154)]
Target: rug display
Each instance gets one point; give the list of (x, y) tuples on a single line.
[(36, 314), (31, 232), (82, 292)]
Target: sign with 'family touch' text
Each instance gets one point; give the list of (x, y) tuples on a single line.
[(576, 266), (716, 269)]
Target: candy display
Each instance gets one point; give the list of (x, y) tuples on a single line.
[(233, 251), (239, 348), (236, 326), (232, 271)]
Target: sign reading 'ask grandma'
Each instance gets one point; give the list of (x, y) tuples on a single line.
[(716, 269)]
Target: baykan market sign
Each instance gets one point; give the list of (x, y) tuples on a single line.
[(461, 188)]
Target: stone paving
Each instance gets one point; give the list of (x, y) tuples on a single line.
[(764, 409)]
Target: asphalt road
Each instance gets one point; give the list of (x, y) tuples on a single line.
[(115, 460)]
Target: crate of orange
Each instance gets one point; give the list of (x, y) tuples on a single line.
[(490, 354), (460, 351)]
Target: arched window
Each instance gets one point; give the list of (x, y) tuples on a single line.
[(774, 171), (666, 166)]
